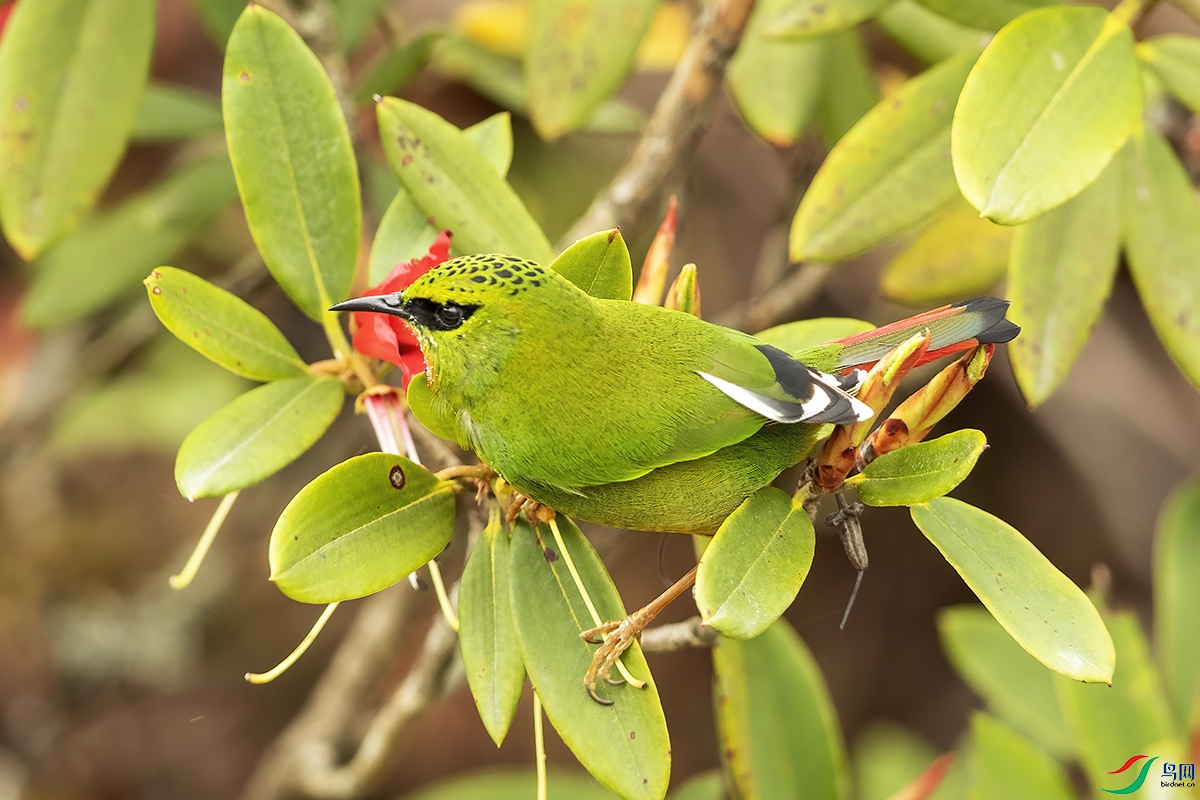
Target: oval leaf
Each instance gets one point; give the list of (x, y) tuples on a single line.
[(486, 636), (72, 74), (578, 54), (887, 758), (1015, 686), (755, 564), (453, 183), (1040, 607), (1109, 724), (849, 90), (958, 256), (1028, 133), (1068, 252), (779, 108), (404, 231), (359, 528), (891, 170), (222, 326), (1175, 60), (928, 36), (1177, 598), (1162, 245), (920, 472), (106, 257), (175, 112), (800, 18), (777, 723), (256, 435), (599, 264), (624, 745), (294, 161), (1004, 765)]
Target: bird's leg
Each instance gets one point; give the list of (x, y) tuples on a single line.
[(535, 512), (617, 635)]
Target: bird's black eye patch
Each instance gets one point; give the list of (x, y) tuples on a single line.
[(438, 316)]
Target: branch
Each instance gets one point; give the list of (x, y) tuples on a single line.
[(673, 131), (686, 635)]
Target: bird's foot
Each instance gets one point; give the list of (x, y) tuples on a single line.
[(615, 637), (535, 512)]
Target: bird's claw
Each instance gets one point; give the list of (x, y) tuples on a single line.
[(614, 637)]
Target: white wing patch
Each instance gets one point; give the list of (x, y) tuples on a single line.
[(827, 396)]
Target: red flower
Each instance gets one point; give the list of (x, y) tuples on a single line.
[(5, 10), (386, 337)]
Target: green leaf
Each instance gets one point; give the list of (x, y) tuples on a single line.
[(222, 326), (256, 435), (803, 18), (988, 15), (1015, 686), (71, 78), (150, 408), (1162, 245), (624, 745), (508, 783), (577, 56), (1028, 133), (490, 653), (778, 727), (849, 89), (755, 564), (1068, 252), (354, 20), (920, 472), (1004, 765), (599, 264), (891, 171), (1109, 724), (359, 528), (392, 73), (404, 231), (803, 334), (926, 35), (887, 758), (174, 112), (958, 255), (1177, 598), (293, 159), (705, 786), (1039, 606), (1175, 59), (107, 256), (777, 109), (455, 185)]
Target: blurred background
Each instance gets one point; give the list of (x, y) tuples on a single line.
[(112, 685)]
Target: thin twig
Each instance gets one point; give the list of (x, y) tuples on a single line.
[(689, 634), (635, 196)]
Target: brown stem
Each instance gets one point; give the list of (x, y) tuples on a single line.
[(635, 196)]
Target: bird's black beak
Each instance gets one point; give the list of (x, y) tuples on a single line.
[(380, 304)]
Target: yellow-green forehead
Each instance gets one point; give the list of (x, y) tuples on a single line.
[(470, 279)]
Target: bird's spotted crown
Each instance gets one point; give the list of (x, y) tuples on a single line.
[(467, 280)]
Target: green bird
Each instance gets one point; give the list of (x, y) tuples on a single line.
[(627, 414)]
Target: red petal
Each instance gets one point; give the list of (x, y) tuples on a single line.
[(412, 362), (403, 274), (375, 337)]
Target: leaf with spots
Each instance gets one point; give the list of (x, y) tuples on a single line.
[(72, 73), (804, 18), (359, 528), (1040, 607), (919, 472), (1162, 244), (755, 564), (293, 159), (777, 724), (1028, 132), (599, 264), (223, 327), (256, 435), (624, 745), (486, 637), (455, 185), (889, 172), (988, 15)]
